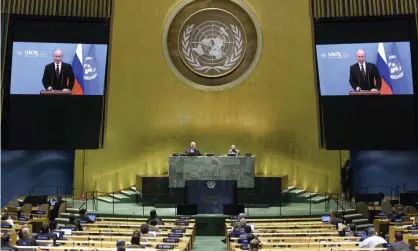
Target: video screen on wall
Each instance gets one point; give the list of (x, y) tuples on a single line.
[(356, 69), (55, 83), (77, 69), (366, 80)]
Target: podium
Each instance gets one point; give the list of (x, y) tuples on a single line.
[(365, 93), (211, 196), (55, 93), (183, 168)]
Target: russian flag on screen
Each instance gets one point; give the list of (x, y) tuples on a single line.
[(78, 70), (382, 67)]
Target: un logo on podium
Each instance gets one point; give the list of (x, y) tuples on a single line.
[(211, 184), (212, 45)]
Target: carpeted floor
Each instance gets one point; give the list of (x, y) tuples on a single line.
[(209, 243)]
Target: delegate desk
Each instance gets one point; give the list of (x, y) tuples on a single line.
[(182, 168)]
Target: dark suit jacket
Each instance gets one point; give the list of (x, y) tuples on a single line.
[(347, 176), (64, 80), (399, 246), (367, 82), (189, 152)]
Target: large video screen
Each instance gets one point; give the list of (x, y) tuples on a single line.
[(39, 68), (366, 80), (54, 83), (380, 68)]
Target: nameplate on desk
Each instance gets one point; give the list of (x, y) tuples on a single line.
[(171, 240), (178, 230), (43, 237), (175, 235), (182, 223), (22, 223), (21, 218), (234, 217), (244, 241), (184, 217), (6, 226), (164, 246), (382, 214), (40, 212), (397, 220), (358, 234), (412, 228), (70, 228), (82, 221)]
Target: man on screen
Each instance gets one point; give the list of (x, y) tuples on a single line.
[(58, 75), (364, 76)]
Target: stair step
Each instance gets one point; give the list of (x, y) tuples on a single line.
[(75, 210), (362, 226), (319, 199), (128, 192), (62, 220), (297, 191), (360, 221), (347, 211), (289, 188), (66, 215), (107, 199), (352, 216), (307, 195), (119, 196)]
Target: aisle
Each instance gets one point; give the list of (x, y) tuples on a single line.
[(209, 243)]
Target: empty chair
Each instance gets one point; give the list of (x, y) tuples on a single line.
[(26, 209), (410, 210), (363, 209), (387, 207)]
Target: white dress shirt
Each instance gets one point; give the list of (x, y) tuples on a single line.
[(372, 242), (359, 65)]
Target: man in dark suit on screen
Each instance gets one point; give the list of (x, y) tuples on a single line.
[(363, 75), (192, 150), (58, 76)]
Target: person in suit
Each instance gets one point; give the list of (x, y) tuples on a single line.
[(153, 225), (153, 216), (58, 75), (347, 180), (192, 150), (363, 74), (5, 243), (399, 244), (25, 239), (234, 150)]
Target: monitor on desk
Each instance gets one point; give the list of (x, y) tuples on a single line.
[(326, 219), (92, 217), (59, 234)]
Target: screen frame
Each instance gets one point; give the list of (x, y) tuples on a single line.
[(412, 39), (89, 38)]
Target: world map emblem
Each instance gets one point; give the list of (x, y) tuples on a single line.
[(212, 45), (212, 48)]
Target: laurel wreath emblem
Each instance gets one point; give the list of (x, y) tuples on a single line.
[(194, 62)]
